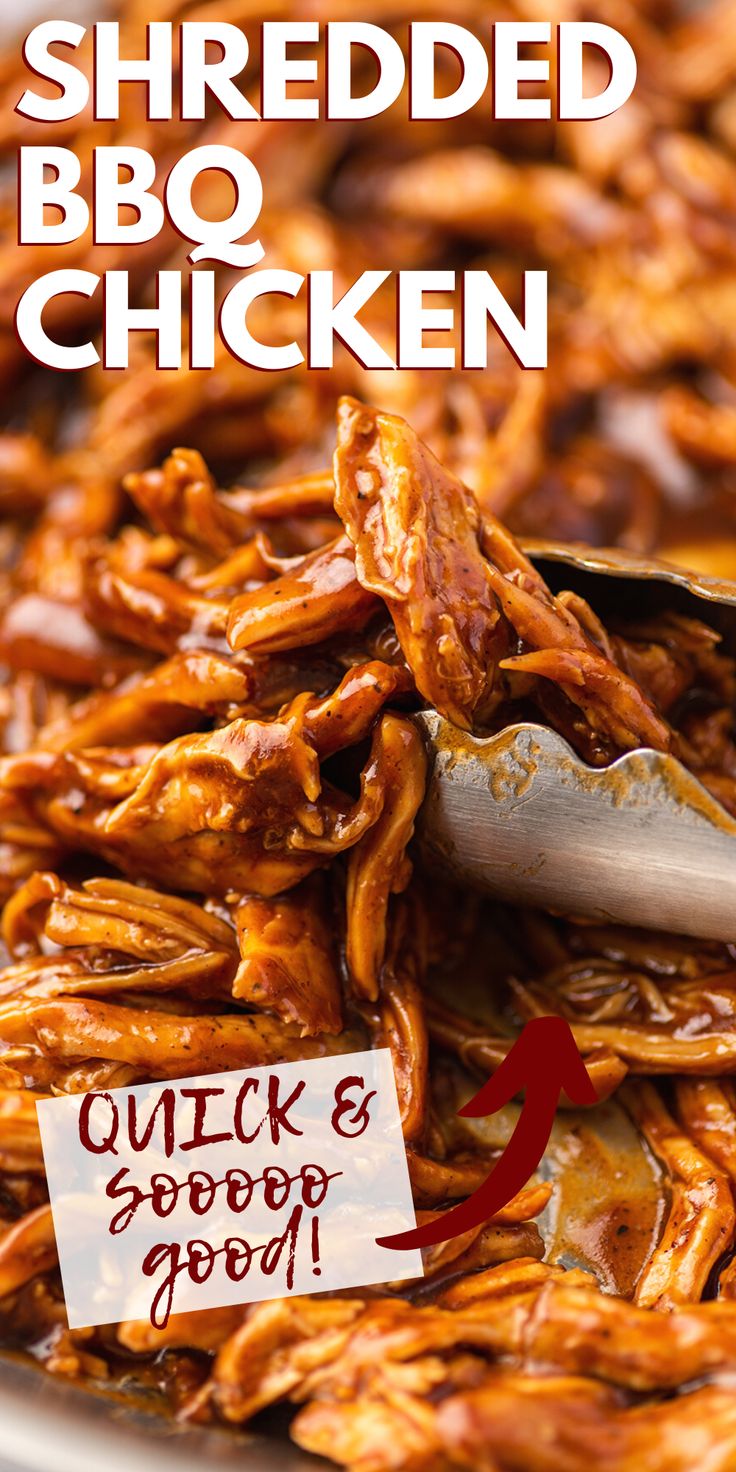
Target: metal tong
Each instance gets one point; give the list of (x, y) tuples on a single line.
[(640, 842)]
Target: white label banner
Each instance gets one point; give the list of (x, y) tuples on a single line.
[(229, 1188)]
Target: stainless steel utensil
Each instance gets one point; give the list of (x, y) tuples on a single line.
[(640, 842)]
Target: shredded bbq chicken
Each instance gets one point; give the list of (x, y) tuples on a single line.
[(210, 774), (266, 782)]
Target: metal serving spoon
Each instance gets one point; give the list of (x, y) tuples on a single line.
[(640, 842)]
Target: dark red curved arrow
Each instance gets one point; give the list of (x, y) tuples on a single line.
[(544, 1060)]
